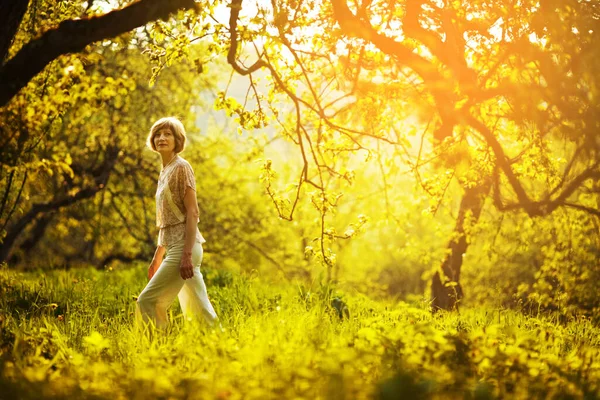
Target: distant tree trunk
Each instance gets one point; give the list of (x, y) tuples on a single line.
[(100, 176), (446, 291), (11, 15), (40, 210), (36, 233)]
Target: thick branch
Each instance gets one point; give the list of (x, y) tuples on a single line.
[(353, 26), (36, 233), (16, 202), (589, 173), (588, 210), (547, 206), (450, 52), (503, 163), (6, 191), (440, 88), (72, 36), (236, 7)]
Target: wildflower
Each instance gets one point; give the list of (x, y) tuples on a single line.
[(61, 317)]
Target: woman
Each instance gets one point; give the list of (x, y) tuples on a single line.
[(178, 274)]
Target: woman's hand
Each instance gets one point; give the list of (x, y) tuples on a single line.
[(153, 268), (186, 269), (156, 260)]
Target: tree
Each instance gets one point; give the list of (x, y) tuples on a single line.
[(513, 78), (70, 36), (503, 94)]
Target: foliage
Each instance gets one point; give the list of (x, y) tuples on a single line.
[(75, 168), (536, 265), (362, 124), (71, 334)]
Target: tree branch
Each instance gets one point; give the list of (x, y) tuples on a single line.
[(6, 191), (73, 35), (503, 163), (442, 89), (355, 27), (236, 7), (450, 52), (588, 210), (100, 176), (590, 173)]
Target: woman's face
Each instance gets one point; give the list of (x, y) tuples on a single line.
[(164, 141)]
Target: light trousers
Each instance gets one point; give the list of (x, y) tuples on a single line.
[(167, 283)]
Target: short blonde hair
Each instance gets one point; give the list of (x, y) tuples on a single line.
[(176, 127)]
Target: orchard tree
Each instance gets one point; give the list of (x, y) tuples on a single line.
[(498, 97), (72, 34), (504, 93)]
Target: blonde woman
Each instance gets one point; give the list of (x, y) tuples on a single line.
[(177, 274)]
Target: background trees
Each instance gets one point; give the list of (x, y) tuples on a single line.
[(77, 132), (498, 89), (490, 106), (77, 179)]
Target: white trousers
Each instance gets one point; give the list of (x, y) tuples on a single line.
[(159, 293)]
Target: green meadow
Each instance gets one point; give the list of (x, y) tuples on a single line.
[(72, 334)]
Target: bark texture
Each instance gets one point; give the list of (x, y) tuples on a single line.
[(446, 290), (73, 35), (39, 211)]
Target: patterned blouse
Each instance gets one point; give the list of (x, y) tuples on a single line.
[(174, 178)]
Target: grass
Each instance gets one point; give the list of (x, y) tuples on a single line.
[(71, 334)]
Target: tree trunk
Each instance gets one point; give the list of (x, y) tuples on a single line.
[(37, 232), (446, 290), (39, 210)]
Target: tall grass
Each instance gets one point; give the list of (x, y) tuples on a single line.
[(71, 334)]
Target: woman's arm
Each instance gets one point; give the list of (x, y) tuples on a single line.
[(159, 253), (191, 225)]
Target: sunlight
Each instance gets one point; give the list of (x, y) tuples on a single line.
[(371, 213)]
